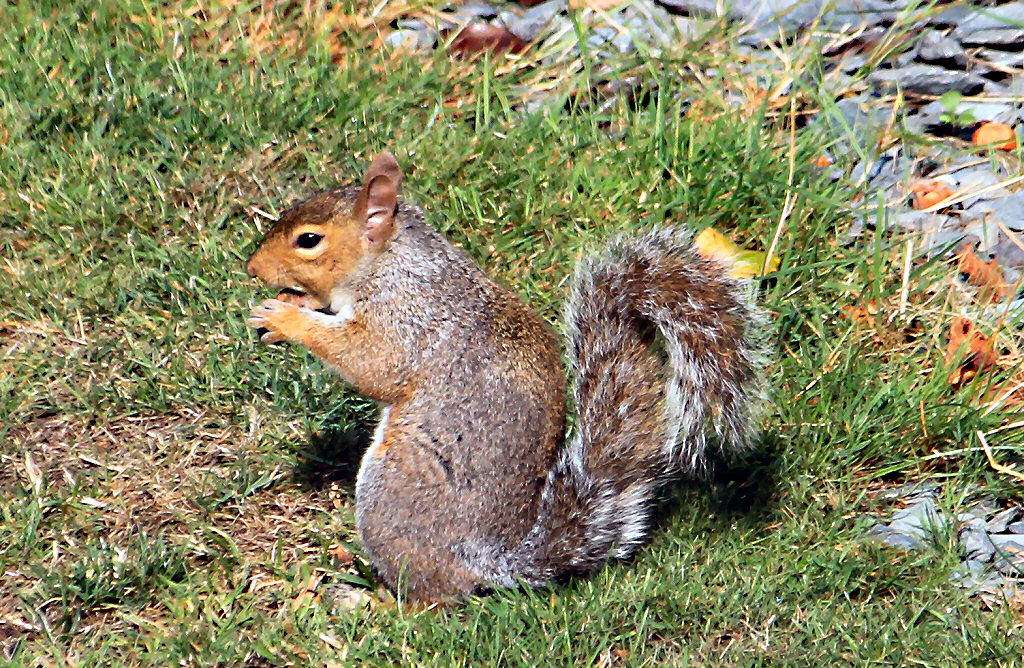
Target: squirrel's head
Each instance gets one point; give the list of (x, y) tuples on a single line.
[(320, 242)]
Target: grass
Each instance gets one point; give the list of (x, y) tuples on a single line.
[(175, 493)]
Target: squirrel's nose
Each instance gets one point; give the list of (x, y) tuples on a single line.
[(251, 267)]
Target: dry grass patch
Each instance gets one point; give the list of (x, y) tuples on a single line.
[(143, 502)]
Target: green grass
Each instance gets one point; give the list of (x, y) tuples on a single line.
[(173, 492)]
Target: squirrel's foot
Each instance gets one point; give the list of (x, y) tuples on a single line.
[(272, 320)]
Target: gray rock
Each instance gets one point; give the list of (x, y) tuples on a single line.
[(1010, 255), (935, 48), (1008, 37), (467, 10), (922, 520), (533, 22), (928, 80), (894, 538), (999, 521), (1012, 566), (989, 111), (691, 7), (919, 221), (971, 521), (428, 32), (952, 15), (1008, 210), (976, 545), (1008, 542), (1016, 527), (912, 490), (940, 241), (974, 179), (986, 26), (971, 574), (980, 229), (408, 39), (986, 18)]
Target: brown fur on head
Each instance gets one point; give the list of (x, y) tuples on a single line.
[(317, 243)]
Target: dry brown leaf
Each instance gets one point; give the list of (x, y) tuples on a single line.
[(479, 37), (986, 275), (974, 350), (930, 193)]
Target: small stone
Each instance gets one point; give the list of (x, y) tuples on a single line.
[(467, 10), (974, 179), (1016, 527), (928, 80), (940, 241), (1009, 254), (1013, 566), (992, 26), (903, 541), (980, 230), (976, 545), (971, 520), (406, 39), (1008, 210), (888, 536), (533, 21), (935, 48), (969, 574), (998, 523), (919, 221), (691, 7), (1008, 541), (921, 520), (912, 490)]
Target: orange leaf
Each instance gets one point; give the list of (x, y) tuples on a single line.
[(986, 275), (991, 132), (930, 193), (975, 348), (822, 161)]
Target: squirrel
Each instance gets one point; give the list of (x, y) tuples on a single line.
[(469, 483)]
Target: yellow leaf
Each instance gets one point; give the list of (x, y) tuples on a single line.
[(742, 263)]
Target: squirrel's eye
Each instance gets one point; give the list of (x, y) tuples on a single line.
[(308, 240)]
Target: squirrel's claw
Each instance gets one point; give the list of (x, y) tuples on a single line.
[(264, 319)]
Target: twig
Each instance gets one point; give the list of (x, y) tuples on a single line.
[(992, 460)]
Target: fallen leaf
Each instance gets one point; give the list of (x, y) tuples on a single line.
[(342, 555), (35, 476), (990, 132), (974, 350), (986, 275), (822, 161), (860, 313), (713, 245), (930, 193), (480, 37)]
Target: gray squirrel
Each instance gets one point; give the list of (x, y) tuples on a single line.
[(469, 483)]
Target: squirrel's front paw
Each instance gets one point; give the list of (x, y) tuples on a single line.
[(271, 319)]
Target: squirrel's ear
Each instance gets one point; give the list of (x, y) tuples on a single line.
[(375, 208)]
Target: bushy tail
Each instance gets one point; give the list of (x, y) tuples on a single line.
[(665, 350)]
